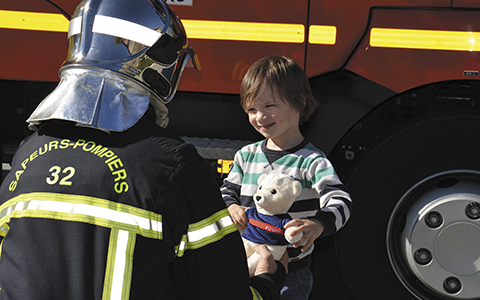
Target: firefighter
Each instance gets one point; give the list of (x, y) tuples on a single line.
[(102, 202)]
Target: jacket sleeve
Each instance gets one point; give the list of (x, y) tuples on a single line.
[(210, 258), (268, 285)]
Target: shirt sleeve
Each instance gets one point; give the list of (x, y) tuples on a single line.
[(335, 201), (231, 186)]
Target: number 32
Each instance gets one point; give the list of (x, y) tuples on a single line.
[(54, 176)]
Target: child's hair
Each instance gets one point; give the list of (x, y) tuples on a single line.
[(286, 79)]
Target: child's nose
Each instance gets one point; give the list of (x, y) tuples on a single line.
[(260, 115)]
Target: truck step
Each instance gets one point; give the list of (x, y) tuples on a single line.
[(216, 148)]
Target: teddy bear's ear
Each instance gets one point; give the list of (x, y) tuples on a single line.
[(262, 176), (296, 187)]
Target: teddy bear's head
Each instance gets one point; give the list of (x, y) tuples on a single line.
[(276, 193)]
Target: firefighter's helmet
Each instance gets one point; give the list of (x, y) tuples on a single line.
[(123, 52)]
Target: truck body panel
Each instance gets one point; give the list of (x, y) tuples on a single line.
[(393, 54), (28, 54), (351, 19)]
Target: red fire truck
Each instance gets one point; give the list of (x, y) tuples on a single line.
[(400, 120)]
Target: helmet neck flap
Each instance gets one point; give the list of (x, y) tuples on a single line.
[(122, 55), (97, 98)]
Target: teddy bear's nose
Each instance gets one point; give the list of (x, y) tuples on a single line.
[(258, 198)]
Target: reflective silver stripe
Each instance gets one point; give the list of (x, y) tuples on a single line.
[(205, 232), (124, 220), (85, 209), (4, 230), (117, 27), (125, 29), (182, 246), (75, 26)]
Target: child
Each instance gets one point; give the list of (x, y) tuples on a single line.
[(276, 95)]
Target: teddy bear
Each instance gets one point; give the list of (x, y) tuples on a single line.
[(274, 196)]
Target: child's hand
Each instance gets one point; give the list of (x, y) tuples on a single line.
[(311, 229), (239, 216)]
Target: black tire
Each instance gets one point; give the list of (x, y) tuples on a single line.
[(418, 150)]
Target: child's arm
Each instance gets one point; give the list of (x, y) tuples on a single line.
[(231, 190), (311, 229), (335, 202), (335, 206)]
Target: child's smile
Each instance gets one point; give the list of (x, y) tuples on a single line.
[(266, 127)]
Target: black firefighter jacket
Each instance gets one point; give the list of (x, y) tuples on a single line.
[(87, 214)]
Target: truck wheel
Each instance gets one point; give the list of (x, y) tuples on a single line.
[(415, 226)]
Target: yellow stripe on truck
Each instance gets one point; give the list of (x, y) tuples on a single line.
[(33, 21), (245, 31), (425, 39), (322, 34), (272, 32)]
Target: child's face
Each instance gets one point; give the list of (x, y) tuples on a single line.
[(274, 118)]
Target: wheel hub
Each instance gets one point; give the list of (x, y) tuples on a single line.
[(457, 249), (440, 242)]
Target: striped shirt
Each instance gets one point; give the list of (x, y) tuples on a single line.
[(323, 196)]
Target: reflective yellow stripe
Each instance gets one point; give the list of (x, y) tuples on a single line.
[(33, 21), (244, 31), (112, 250), (206, 232), (85, 209), (322, 34), (118, 275), (180, 249), (4, 229), (425, 39), (255, 294), (125, 221)]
